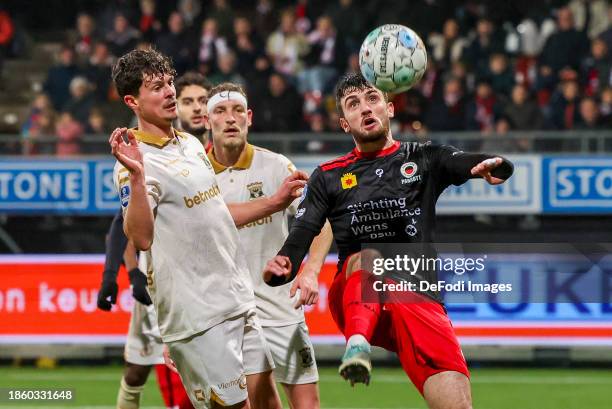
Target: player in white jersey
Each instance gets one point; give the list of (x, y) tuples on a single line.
[(198, 278), (246, 172), (143, 347)]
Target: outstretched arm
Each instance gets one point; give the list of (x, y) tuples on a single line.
[(290, 189), (458, 166)]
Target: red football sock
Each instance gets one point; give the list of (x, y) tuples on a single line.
[(171, 388), (360, 317)]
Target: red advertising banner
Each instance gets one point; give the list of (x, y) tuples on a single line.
[(52, 299)]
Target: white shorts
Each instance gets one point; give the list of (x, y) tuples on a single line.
[(144, 345), (293, 354), (213, 364)]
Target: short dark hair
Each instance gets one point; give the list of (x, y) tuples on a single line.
[(191, 78), (348, 83), (129, 71), (226, 86)]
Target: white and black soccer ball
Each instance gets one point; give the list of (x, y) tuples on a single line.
[(393, 58)]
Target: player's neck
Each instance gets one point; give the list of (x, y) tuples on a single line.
[(227, 156), (375, 146), (154, 129)]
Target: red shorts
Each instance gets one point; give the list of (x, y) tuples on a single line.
[(419, 332)]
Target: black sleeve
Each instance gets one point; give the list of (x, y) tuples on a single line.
[(455, 165), (116, 241), (309, 219)]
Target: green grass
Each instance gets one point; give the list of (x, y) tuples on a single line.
[(96, 388)]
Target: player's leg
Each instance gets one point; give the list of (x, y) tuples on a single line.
[(360, 317), (448, 390), (429, 351), (296, 367), (142, 350), (131, 386), (211, 366), (305, 396), (171, 388), (258, 366)]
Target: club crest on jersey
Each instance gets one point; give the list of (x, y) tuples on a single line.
[(348, 181), (409, 172), (255, 190), (202, 156)]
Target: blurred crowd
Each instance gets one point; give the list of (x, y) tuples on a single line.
[(492, 67)]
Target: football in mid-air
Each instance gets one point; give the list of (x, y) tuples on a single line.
[(393, 58)]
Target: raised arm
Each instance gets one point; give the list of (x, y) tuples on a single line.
[(138, 215), (309, 220)]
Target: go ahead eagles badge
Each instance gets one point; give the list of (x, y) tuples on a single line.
[(255, 190)]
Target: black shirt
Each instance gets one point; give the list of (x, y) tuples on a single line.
[(387, 196)]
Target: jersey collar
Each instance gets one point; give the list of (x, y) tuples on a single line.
[(155, 140), (377, 154), (244, 161)]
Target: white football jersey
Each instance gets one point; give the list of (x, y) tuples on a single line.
[(198, 275), (257, 173)]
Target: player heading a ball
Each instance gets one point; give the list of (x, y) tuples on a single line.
[(393, 58)]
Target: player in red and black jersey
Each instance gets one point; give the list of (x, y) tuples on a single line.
[(385, 191)]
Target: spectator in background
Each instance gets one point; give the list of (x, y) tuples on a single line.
[(123, 37), (40, 122), (190, 11), (564, 48), (84, 38), (447, 47), (69, 133), (486, 42), (590, 16), (59, 77), (226, 70), (482, 108), (606, 35), (211, 46), (564, 106), (447, 113), (279, 109), (590, 116), (223, 14), (175, 43), (6, 37), (597, 68), (605, 108), (148, 24), (248, 46), (265, 17), (286, 47), (98, 71), (81, 101), (325, 59), (522, 112), (96, 124), (350, 20), (500, 74)]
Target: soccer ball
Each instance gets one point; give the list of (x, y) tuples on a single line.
[(392, 58)]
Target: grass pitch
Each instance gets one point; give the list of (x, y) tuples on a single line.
[(96, 388)]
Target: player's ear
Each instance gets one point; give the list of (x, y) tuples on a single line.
[(344, 125), (249, 117), (206, 121), (390, 109), (131, 101)]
